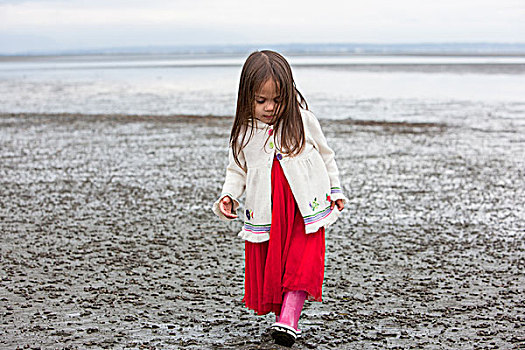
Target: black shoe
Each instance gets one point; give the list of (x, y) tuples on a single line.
[(283, 334)]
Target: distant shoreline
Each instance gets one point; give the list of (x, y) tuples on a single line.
[(381, 62)]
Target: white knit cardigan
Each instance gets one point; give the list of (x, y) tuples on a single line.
[(312, 175)]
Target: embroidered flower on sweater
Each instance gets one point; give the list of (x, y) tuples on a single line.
[(314, 204), (328, 198), (249, 214)]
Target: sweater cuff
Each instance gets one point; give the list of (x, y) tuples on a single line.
[(217, 211), (336, 193)]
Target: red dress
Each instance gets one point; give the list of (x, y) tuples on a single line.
[(290, 260)]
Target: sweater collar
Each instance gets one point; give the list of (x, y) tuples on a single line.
[(261, 125)]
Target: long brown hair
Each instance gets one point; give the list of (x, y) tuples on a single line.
[(260, 67)]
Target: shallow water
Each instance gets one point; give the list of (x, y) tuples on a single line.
[(442, 89), (108, 240)]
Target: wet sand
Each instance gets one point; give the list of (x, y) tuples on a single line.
[(108, 240)]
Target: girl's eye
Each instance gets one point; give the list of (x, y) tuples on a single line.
[(259, 101)]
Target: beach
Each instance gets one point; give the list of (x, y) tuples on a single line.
[(108, 239)]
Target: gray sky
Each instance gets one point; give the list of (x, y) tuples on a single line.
[(77, 24)]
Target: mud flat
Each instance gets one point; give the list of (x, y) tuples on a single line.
[(107, 239)]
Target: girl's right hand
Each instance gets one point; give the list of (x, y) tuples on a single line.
[(226, 207)]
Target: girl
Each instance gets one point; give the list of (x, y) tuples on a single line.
[(279, 155)]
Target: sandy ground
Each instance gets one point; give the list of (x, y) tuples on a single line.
[(107, 239)]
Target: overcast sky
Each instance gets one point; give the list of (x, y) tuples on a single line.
[(81, 24)]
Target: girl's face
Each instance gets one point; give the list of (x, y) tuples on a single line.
[(266, 102)]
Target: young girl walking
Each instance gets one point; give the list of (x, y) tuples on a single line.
[(279, 156)]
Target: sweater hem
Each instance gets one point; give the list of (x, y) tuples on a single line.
[(311, 228), (254, 238), (327, 221)]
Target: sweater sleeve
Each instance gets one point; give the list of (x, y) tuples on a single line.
[(328, 156), (234, 183)]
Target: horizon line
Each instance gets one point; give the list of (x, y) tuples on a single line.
[(445, 47)]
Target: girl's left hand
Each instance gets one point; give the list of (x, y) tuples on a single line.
[(340, 204)]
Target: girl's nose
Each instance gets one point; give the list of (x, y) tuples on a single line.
[(269, 106)]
